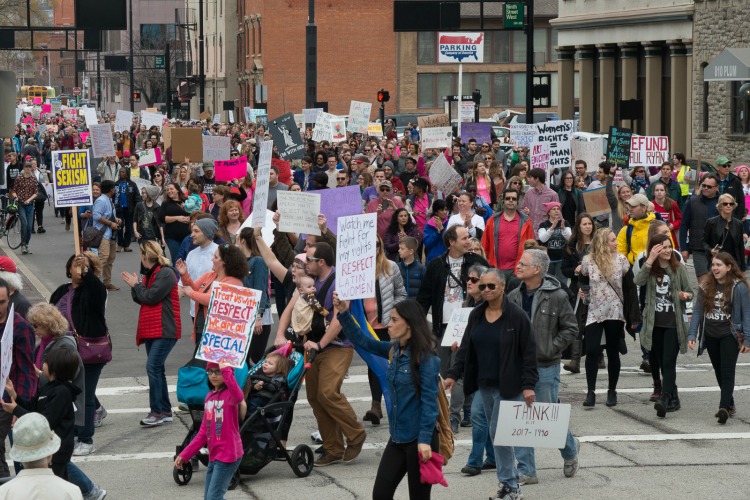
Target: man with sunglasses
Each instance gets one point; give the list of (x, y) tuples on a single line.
[(342, 179), (730, 184), (504, 235), (539, 296), (698, 210), (385, 206)]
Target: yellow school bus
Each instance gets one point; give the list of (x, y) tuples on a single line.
[(31, 91)]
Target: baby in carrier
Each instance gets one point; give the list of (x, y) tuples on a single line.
[(309, 315)]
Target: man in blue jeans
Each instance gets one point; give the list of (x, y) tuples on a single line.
[(554, 325)]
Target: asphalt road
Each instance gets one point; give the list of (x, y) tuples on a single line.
[(625, 450)]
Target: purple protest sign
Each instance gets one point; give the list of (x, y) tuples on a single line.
[(339, 202), (482, 132)]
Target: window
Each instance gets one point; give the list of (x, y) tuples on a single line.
[(501, 46), (519, 89), (497, 89), (519, 47), (114, 85), (740, 110), (425, 90), (540, 42), (113, 41), (426, 48), (501, 89), (154, 36)]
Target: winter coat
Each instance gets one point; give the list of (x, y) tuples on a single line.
[(389, 291), (695, 214), (713, 235), (88, 307), (638, 240), (433, 241), (392, 240), (157, 295), (412, 274)]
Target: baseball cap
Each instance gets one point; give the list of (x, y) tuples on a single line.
[(722, 160), (638, 199)]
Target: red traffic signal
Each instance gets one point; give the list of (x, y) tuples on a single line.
[(136, 97), (384, 96)]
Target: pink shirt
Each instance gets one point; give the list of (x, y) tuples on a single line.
[(220, 427)]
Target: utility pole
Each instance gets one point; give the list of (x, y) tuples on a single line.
[(311, 56), (530, 61), (201, 63), (167, 64), (99, 73), (132, 62)]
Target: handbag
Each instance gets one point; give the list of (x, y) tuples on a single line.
[(41, 194), (94, 350), (91, 237)]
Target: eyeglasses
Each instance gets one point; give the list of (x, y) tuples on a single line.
[(489, 286), (384, 189), (727, 204), (485, 146), (516, 182), (511, 198), (340, 178), (313, 259), (521, 264), (708, 186), (234, 154), (213, 371), (471, 279), (367, 150)]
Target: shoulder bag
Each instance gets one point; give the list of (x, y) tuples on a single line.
[(94, 350)]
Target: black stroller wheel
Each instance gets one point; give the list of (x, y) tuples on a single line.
[(184, 475), (302, 460), (235, 481)]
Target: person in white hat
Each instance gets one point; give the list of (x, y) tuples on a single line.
[(33, 445)]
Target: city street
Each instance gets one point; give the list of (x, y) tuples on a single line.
[(625, 450)]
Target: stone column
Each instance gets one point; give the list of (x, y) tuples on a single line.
[(607, 103), (679, 102), (586, 108), (688, 99), (566, 82), (652, 103), (629, 74)]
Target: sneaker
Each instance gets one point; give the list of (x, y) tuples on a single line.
[(96, 493), (25, 249), (99, 415), (524, 479), (41, 230), (489, 466), (183, 407), (152, 420), (471, 471), (570, 466), (352, 451), (83, 449), (506, 492), (326, 459), (166, 417), (454, 425)]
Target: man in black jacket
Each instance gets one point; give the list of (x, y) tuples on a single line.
[(444, 286)]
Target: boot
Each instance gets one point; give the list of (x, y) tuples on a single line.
[(590, 399), (657, 391), (602, 364), (662, 404), (674, 402), (374, 414), (574, 366), (611, 398)]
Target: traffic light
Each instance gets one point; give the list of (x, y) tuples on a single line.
[(136, 97), (384, 96)]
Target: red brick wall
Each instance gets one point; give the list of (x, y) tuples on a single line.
[(356, 52)]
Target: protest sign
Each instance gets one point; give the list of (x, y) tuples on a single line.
[(456, 327), (339, 202), (262, 119), (123, 120), (217, 119), (322, 130), (299, 212), (428, 121), (311, 114), (37, 100), (232, 312), (248, 111), (596, 201), (522, 134), (166, 137), (149, 157), (216, 147), (89, 114), (649, 151), (466, 112), (187, 143), (230, 116), (558, 134), (46, 108), (84, 136), (482, 132), (101, 140), (19, 114), (42, 128), (299, 120), (618, 147), (70, 114), (359, 117), (205, 115), (588, 151), (229, 170), (338, 130), (287, 138), (266, 231), (375, 129), (6, 349), (260, 198), (70, 176), (443, 175), (541, 425), (539, 157), (56, 108), (151, 119), (436, 137), (140, 183), (355, 256)]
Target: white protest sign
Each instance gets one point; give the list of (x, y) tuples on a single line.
[(355, 256), (6, 350), (19, 114), (589, 151), (443, 175), (230, 114), (338, 130), (123, 120), (466, 113), (539, 157), (217, 118), (648, 150), (101, 140), (558, 134), (322, 130), (311, 114), (260, 198), (456, 327), (541, 425), (266, 231), (149, 157), (359, 117), (522, 134), (299, 120), (299, 212), (56, 107), (150, 119), (42, 128), (436, 137), (89, 114), (216, 147)]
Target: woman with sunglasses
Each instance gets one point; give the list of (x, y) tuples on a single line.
[(723, 233), (639, 183), (161, 181)]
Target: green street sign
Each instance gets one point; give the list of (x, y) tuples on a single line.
[(513, 15), (159, 62)]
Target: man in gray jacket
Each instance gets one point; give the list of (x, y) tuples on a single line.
[(554, 325), (108, 169)]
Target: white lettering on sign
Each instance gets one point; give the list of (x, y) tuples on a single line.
[(725, 71)]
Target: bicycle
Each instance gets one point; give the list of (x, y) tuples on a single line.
[(11, 225)]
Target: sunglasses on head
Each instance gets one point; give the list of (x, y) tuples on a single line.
[(490, 286)]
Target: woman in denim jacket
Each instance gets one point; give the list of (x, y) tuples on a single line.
[(413, 384)]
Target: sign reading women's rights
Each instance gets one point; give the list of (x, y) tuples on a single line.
[(299, 212), (231, 316), (70, 178), (355, 256), (541, 425)]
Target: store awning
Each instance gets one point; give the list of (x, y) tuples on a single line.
[(729, 66)]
